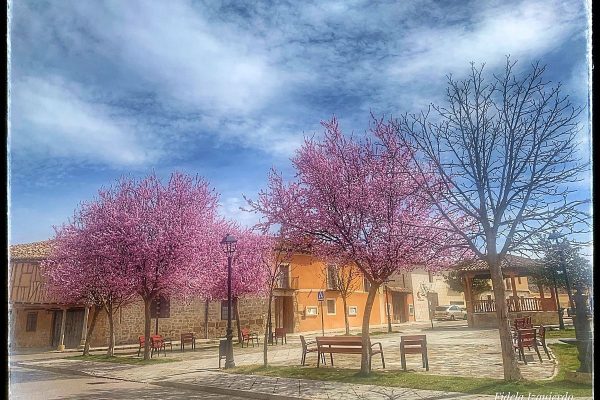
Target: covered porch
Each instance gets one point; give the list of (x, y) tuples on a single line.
[(481, 313)]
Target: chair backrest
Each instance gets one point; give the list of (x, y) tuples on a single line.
[(245, 332), (413, 340), (303, 341), (526, 336), (542, 333), (142, 340), (279, 332)]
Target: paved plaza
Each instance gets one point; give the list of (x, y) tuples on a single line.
[(453, 348)]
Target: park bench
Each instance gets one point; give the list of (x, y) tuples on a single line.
[(345, 345), (414, 344), (190, 338)]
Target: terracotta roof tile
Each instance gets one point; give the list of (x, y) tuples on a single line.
[(30, 251), (511, 261)]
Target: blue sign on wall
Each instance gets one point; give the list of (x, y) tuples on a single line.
[(321, 295)]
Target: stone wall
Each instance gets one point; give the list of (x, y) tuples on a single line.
[(184, 317), (40, 338)]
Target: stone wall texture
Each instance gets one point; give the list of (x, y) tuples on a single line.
[(185, 316)]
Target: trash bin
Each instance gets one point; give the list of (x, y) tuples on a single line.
[(222, 350)]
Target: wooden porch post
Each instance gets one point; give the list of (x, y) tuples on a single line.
[(61, 344), (514, 290), (84, 330), (469, 299), (541, 289)]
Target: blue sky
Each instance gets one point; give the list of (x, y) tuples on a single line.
[(227, 90)]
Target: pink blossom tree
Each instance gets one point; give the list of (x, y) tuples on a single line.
[(249, 275), (160, 234), (357, 200), (82, 268)]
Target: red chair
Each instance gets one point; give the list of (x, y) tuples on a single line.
[(280, 333), (526, 338), (541, 340), (248, 337), (157, 343)]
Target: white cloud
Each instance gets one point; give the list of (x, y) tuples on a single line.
[(527, 29), (52, 117)]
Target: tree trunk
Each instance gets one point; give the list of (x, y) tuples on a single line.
[(90, 330), (267, 328), (583, 333), (365, 360), (147, 322), (111, 330), (206, 320), (509, 362), (346, 323), (237, 320)]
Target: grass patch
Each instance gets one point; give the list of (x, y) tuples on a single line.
[(566, 333), (123, 359), (566, 354)]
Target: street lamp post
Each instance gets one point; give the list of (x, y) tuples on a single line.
[(228, 245)]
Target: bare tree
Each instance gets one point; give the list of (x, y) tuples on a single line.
[(345, 278), (504, 151), (274, 263)]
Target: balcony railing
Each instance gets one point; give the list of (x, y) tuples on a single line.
[(286, 282), (521, 304)]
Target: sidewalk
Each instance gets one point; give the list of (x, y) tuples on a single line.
[(479, 352), (183, 375)]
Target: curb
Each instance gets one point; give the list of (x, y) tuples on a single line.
[(174, 385)]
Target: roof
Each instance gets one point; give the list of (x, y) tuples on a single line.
[(30, 251), (511, 262)]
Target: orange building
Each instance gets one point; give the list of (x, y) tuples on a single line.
[(298, 309)]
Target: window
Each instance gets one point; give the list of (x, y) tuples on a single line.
[(332, 278), (331, 306), (31, 322), (224, 308), (367, 284), (312, 311), (284, 276), (162, 305), (430, 276), (352, 310)]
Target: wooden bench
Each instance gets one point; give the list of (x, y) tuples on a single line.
[(189, 337), (414, 344), (345, 345)]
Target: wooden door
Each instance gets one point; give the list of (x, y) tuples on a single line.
[(73, 328), (56, 322)]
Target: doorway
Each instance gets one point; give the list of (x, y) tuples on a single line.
[(399, 307), (284, 313), (73, 328)]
